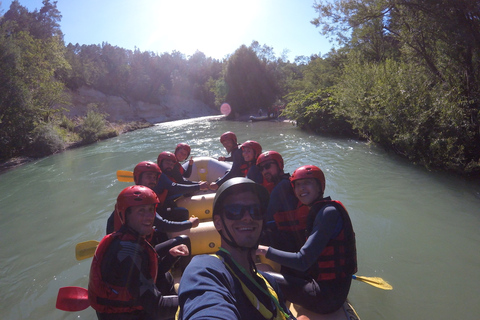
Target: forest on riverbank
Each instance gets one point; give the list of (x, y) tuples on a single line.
[(405, 75)]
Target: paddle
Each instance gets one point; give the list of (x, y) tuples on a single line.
[(84, 250), (374, 281), (124, 176), (72, 299)]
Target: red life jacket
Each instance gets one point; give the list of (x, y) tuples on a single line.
[(339, 258), (291, 227), (244, 169), (268, 185), (108, 298)]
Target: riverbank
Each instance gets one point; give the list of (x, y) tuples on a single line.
[(119, 127)]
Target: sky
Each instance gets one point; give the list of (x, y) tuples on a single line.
[(215, 27)]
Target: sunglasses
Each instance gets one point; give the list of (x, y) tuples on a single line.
[(236, 211), (266, 166)]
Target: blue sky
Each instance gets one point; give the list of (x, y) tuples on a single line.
[(215, 27)]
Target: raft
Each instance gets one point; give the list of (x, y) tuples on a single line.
[(207, 169)]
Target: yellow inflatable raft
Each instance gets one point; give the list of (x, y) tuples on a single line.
[(203, 169), (207, 169)]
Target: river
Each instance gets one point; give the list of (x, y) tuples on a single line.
[(418, 230)]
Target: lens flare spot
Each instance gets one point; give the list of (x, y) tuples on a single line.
[(225, 109)]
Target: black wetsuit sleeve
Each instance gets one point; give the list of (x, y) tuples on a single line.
[(235, 170), (163, 225), (188, 171), (327, 224), (174, 188)]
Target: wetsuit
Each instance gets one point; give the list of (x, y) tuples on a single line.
[(320, 296), (186, 173), (255, 174), (169, 209), (235, 171), (122, 280), (208, 290), (179, 175), (282, 198)]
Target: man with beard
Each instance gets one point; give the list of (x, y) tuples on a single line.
[(227, 285), (285, 216)]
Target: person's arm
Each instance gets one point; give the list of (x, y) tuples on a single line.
[(188, 171), (175, 188), (205, 291), (164, 225), (327, 224), (235, 170)]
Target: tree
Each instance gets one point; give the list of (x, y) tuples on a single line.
[(29, 90), (250, 87), (439, 38)]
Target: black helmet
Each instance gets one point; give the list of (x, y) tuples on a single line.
[(237, 185)]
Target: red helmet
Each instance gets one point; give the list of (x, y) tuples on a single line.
[(228, 135), (134, 196), (254, 145), (310, 171), (184, 146), (165, 155), (145, 166), (270, 155)]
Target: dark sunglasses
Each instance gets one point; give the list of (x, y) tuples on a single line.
[(236, 211), (266, 166)]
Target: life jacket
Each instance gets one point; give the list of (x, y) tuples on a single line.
[(291, 227), (109, 298), (249, 286), (244, 169), (339, 258), (268, 185)]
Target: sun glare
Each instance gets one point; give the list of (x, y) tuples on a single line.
[(212, 27)]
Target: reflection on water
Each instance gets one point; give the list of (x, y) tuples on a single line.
[(416, 229)]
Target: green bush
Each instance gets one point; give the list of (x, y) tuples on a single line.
[(67, 123), (92, 127), (46, 141)]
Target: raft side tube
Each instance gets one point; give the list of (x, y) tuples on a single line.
[(199, 205), (207, 169), (205, 239)]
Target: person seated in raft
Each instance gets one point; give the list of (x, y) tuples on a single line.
[(289, 235), (147, 173), (125, 265), (182, 152), (227, 285), (229, 141), (328, 258), (250, 152), (171, 190)]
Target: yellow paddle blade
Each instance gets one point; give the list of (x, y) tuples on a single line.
[(124, 176), (84, 250), (374, 281)]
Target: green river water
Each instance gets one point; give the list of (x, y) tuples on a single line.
[(417, 229)]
